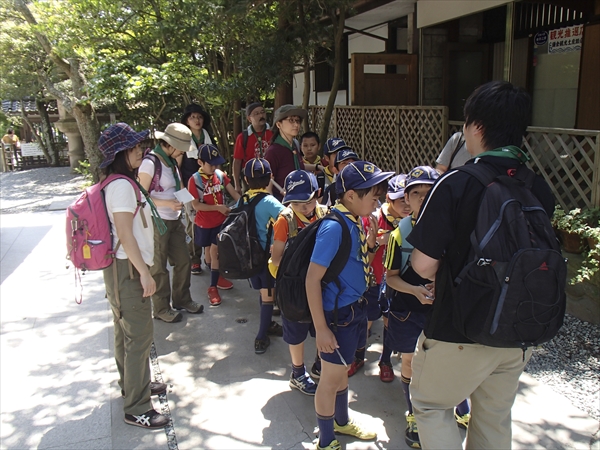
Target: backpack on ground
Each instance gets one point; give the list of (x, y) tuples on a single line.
[(511, 292), (291, 276), (89, 232), (240, 254)]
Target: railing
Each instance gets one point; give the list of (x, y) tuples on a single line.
[(569, 161)]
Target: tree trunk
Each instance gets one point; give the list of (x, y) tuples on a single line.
[(338, 29), (47, 134), (89, 127), (306, 92)]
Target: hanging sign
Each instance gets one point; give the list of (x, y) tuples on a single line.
[(567, 39)]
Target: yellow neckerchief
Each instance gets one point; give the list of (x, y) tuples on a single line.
[(329, 173), (252, 192), (316, 161), (385, 210), (363, 238), (209, 183)]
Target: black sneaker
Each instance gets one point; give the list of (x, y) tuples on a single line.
[(275, 329), (411, 436), (276, 310), (196, 269), (156, 388), (315, 372), (150, 419), (261, 345)]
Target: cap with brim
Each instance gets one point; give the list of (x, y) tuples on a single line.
[(396, 187), (177, 135), (333, 145), (195, 108), (421, 175), (209, 153), (116, 138), (344, 155), (252, 106), (300, 186), (256, 168), (360, 175), (289, 111)]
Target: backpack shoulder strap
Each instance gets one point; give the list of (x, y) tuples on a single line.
[(484, 174), (343, 253), (221, 176), (288, 213), (155, 182), (321, 210), (116, 176), (406, 227), (245, 139), (459, 144)]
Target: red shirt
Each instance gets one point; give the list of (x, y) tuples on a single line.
[(252, 149), (377, 263), (208, 189)]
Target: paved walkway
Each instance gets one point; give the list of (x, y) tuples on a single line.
[(59, 380)]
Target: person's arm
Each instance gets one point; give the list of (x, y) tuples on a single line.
[(233, 192), (441, 168), (237, 170), (124, 226), (424, 265), (145, 181), (325, 339), (277, 252), (395, 281)]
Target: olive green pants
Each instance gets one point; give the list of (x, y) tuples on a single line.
[(171, 247), (133, 335)]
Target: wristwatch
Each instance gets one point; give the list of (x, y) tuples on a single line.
[(374, 248)]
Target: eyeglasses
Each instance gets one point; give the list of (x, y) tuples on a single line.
[(293, 121)]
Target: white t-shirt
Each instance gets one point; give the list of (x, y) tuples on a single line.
[(167, 182), (462, 156), (120, 197)]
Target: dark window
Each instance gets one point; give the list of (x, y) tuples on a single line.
[(324, 68)]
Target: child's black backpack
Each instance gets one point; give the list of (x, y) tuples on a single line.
[(290, 289), (240, 254), (511, 292)]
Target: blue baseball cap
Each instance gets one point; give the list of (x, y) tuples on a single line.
[(421, 175), (209, 153), (256, 168), (345, 154), (396, 187), (300, 186), (360, 175), (333, 145)]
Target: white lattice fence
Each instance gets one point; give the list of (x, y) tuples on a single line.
[(422, 131), (381, 137), (350, 125)]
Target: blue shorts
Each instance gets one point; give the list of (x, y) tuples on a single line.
[(263, 280), (404, 329), (351, 326), (204, 237), (372, 297), (295, 333)]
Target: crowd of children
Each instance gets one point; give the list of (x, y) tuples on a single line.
[(376, 280)]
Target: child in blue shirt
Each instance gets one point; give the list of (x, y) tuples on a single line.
[(359, 185), (258, 175)]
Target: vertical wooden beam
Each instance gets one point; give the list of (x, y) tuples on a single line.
[(410, 33), (596, 177), (508, 41)]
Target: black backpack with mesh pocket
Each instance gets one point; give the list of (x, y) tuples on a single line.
[(511, 292)]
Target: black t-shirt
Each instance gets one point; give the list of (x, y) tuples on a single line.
[(443, 231)]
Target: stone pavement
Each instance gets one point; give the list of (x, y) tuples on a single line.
[(59, 380)]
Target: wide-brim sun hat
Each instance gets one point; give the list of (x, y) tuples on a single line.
[(177, 135), (300, 186), (360, 175), (209, 153), (116, 138), (396, 186), (289, 111), (195, 108), (421, 175)]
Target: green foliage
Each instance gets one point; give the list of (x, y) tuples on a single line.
[(85, 170)]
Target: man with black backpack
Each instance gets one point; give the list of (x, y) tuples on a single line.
[(484, 236)]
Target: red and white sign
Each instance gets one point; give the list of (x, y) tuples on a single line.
[(566, 39)]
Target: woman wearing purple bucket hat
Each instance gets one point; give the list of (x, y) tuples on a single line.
[(133, 229)]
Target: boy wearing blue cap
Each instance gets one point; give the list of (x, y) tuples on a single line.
[(330, 149), (413, 295), (257, 173), (207, 186), (301, 192), (338, 330), (341, 158)]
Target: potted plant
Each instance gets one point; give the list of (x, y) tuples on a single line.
[(570, 228)]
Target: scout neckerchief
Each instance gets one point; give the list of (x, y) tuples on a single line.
[(258, 153), (252, 192), (280, 140), (160, 224), (199, 141), (171, 163), (509, 151), (317, 161), (363, 239), (208, 181), (305, 220), (329, 173), (385, 210)]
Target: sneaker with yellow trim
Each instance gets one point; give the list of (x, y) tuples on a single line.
[(354, 429), (411, 436), (462, 421), (333, 445)]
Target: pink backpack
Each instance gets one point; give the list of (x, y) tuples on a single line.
[(89, 232)]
